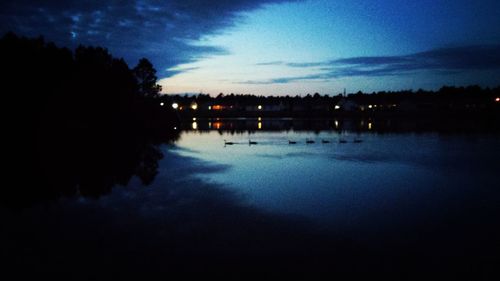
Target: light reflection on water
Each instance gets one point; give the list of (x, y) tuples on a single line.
[(385, 179)]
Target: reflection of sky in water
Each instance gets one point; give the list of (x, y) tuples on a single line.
[(383, 178)]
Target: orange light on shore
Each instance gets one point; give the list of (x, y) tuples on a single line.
[(497, 99)]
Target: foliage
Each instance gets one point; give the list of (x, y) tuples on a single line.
[(78, 122)]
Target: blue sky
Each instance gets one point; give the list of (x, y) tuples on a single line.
[(281, 47)]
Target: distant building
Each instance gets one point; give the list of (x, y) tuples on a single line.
[(347, 105), (266, 107)]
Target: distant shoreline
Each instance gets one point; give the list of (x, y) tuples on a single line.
[(456, 102), (372, 124), (333, 115)]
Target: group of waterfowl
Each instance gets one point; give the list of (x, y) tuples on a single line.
[(308, 141)]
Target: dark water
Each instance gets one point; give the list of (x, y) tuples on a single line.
[(397, 204)]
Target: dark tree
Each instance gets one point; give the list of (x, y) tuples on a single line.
[(146, 79), (76, 123)]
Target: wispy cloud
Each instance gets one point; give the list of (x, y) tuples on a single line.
[(441, 61), (161, 30), (270, 63), (176, 70)]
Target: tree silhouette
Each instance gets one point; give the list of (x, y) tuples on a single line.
[(146, 79), (83, 124)]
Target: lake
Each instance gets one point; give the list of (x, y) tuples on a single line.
[(385, 200)]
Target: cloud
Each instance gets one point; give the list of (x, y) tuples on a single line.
[(441, 61), (270, 63), (175, 70), (285, 80), (162, 30)]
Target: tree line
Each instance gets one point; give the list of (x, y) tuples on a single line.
[(448, 100), (444, 94), (77, 122)]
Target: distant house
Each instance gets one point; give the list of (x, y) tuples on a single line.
[(222, 107), (266, 107), (347, 105)]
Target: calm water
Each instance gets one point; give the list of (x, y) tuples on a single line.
[(388, 180), (403, 203)]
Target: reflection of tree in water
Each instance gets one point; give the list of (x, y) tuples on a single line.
[(79, 122), (92, 164)]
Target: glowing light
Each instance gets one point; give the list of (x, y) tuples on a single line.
[(175, 105), (497, 99), (370, 106), (162, 104), (194, 106), (217, 107), (260, 118), (336, 124), (217, 125), (259, 125), (194, 126), (369, 125), (175, 128), (209, 107), (194, 118), (337, 107), (210, 125), (259, 107)]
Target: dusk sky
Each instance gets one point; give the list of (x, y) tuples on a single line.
[(281, 47)]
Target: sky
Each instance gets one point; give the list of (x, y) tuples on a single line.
[(280, 47)]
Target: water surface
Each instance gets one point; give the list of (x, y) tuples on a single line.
[(403, 202), (386, 181)]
